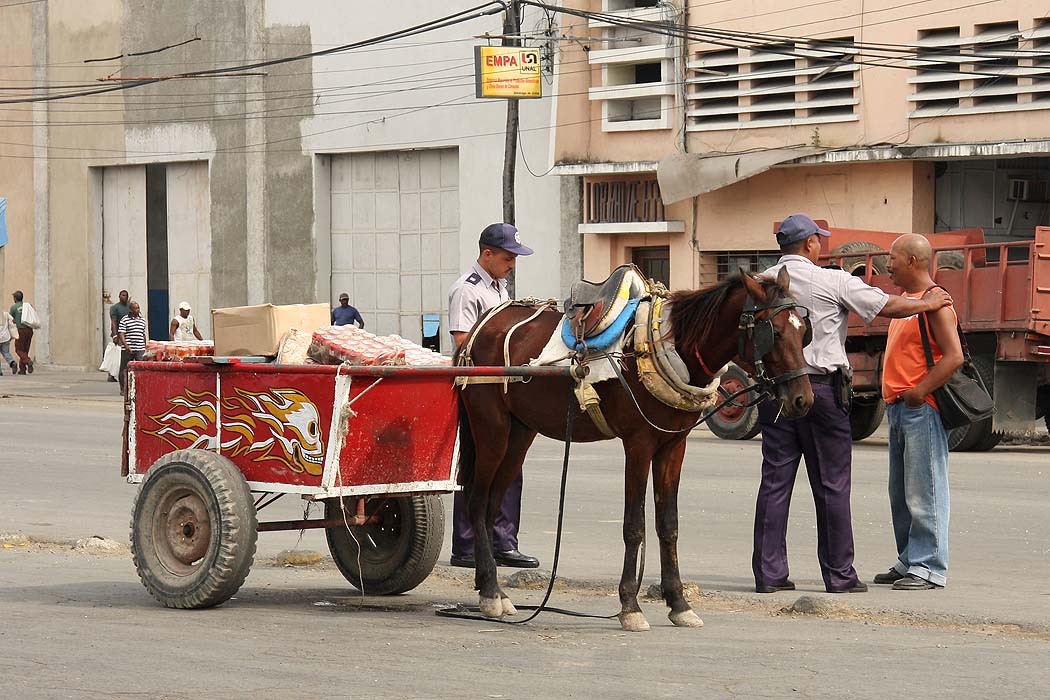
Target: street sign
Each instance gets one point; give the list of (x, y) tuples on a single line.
[(502, 72)]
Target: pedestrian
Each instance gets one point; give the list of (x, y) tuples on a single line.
[(131, 332), (183, 327), (118, 311), (918, 476), (823, 435), (8, 332), (25, 334), (481, 288), (344, 314)]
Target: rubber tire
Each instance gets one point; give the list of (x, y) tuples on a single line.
[(732, 423), (950, 260), (221, 571), (410, 557), (986, 437), (865, 416), (855, 266)]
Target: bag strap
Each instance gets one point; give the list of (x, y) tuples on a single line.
[(925, 339)]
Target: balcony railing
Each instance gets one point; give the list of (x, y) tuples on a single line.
[(622, 201)]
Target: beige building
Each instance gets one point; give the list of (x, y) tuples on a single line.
[(922, 117)]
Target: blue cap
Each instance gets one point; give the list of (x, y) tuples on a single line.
[(798, 227), (504, 236)]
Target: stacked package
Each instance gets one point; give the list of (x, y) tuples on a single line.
[(178, 350), (335, 345)]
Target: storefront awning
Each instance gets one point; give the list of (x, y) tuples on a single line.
[(684, 176)]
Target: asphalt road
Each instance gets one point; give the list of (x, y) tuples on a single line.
[(81, 626)]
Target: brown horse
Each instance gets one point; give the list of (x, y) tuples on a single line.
[(499, 425)]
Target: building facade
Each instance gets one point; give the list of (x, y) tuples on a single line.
[(692, 143), (370, 170)]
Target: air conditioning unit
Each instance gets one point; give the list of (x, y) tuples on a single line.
[(1024, 190)]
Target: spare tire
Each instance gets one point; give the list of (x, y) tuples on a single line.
[(950, 260), (858, 266)]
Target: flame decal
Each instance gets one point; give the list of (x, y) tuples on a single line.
[(280, 425)]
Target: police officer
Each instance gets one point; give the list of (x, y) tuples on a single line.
[(483, 287), (823, 435)]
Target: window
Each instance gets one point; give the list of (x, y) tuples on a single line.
[(730, 262), (937, 72), (997, 44), (778, 84)]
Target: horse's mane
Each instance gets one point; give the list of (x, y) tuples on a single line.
[(694, 311)]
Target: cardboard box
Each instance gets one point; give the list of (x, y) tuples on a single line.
[(257, 330)]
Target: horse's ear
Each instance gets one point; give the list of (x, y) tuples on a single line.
[(783, 279), (753, 287)]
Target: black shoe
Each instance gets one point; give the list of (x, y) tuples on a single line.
[(858, 587), (13, 366), (30, 367), (465, 561), (516, 559), (890, 576), (786, 586), (911, 582)]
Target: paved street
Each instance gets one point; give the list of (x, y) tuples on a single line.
[(79, 625)]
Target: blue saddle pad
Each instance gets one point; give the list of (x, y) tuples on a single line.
[(606, 338)]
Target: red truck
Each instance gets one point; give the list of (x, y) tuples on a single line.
[(1002, 297)]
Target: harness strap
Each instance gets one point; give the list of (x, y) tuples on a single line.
[(510, 332)]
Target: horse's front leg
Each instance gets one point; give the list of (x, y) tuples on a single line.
[(482, 507), (667, 472), (636, 474)]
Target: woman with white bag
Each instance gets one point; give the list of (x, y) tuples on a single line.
[(8, 332), (27, 320)]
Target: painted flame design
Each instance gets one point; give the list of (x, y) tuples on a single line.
[(276, 425)]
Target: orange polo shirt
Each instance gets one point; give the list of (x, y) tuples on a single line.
[(904, 364)]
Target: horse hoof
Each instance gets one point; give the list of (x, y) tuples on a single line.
[(508, 607), (686, 618), (633, 622), (491, 607)]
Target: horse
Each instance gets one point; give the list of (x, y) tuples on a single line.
[(500, 421)]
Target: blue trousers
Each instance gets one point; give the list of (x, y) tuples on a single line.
[(505, 530), (823, 438), (918, 486)]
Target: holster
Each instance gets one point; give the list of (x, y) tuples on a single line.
[(843, 388)]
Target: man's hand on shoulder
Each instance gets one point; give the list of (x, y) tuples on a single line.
[(937, 298)]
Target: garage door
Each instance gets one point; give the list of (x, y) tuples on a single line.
[(395, 236)]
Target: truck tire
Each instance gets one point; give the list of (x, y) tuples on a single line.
[(735, 422), (398, 553), (857, 266), (865, 416), (986, 438), (950, 260), (193, 529)]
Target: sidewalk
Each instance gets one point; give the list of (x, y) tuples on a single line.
[(53, 382)]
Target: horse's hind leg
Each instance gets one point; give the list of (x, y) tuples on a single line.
[(667, 472), (490, 422), (518, 443), (636, 474)]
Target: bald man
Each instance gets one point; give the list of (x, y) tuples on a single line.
[(918, 476)]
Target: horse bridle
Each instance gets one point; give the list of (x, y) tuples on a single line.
[(762, 336)]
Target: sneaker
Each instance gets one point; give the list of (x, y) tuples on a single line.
[(911, 582)]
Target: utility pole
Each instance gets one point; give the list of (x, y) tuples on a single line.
[(511, 28)]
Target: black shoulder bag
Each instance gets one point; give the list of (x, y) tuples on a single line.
[(963, 399)]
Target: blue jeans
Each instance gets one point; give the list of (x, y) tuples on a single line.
[(918, 487), (5, 350)]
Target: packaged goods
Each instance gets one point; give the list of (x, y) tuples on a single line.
[(294, 347), (335, 345), (177, 351), (257, 330)]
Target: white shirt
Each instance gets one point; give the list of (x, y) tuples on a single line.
[(829, 294), (471, 296), (185, 327)]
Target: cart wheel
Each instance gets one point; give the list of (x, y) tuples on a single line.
[(865, 416), (397, 552), (735, 422), (193, 529)]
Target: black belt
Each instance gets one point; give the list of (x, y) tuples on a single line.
[(823, 378)]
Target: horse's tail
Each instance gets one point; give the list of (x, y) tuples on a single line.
[(467, 450)]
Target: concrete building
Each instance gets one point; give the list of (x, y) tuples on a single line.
[(871, 115), (369, 171)]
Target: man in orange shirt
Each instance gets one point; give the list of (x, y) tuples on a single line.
[(918, 477)]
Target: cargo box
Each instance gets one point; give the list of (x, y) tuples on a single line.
[(257, 330)]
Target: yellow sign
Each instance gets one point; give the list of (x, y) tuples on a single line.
[(507, 72)]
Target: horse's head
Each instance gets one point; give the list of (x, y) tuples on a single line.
[(773, 331)]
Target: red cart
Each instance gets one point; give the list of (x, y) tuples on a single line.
[(215, 441)]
